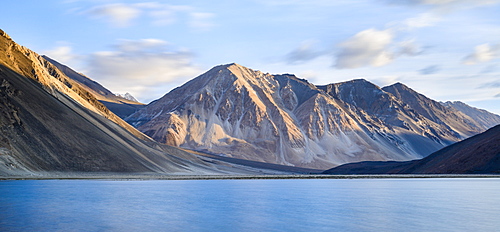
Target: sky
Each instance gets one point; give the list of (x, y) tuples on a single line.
[(448, 50)]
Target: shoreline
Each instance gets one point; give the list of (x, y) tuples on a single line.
[(125, 177)]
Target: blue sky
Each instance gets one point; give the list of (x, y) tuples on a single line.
[(445, 49)]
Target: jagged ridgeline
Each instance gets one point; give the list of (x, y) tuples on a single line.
[(238, 112), (54, 118)]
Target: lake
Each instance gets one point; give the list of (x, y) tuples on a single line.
[(455, 204)]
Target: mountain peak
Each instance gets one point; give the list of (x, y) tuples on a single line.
[(399, 85), (231, 64), (233, 69), (228, 66), (359, 82), (127, 96), (398, 89)]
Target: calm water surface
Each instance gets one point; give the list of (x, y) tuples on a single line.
[(251, 205)]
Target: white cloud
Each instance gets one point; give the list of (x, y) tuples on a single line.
[(201, 21), (366, 48), (62, 54), (444, 6), (119, 15), (141, 67), (409, 48), (443, 2), (433, 69), (141, 45), (422, 20), (482, 53), (309, 75), (164, 14), (305, 52), (159, 14)]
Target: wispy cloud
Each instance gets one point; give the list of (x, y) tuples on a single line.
[(441, 3), (119, 15), (305, 52), (201, 21), (482, 53), (63, 54), (426, 19), (490, 69), (366, 48), (158, 14), (370, 47), (138, 66), (493, 84), (430, 70)]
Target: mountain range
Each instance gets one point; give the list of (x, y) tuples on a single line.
[(238, 112), (231, 119), (51, 122)]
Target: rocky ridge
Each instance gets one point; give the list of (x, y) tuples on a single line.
[(238, 112)]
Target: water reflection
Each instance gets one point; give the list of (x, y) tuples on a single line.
[(251, 205)]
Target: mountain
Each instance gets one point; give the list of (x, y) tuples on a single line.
[(51, 123), (238, 112), (452, 118), (479, 154), (119, 105), (483, 117), (127, 96), (419, 134)]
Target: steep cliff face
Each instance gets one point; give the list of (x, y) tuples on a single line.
[(239, 112)]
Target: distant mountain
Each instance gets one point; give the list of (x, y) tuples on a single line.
[(483, 117), (118, 104), (50, 122), (479, 154), (238, 112), (127, 96), (453, 118)]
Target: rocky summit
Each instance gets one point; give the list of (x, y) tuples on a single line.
[(238, 112)]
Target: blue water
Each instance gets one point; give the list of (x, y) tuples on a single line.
[(251, 205)]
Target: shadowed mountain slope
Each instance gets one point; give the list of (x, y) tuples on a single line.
[(479, 154), (483, 117)]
